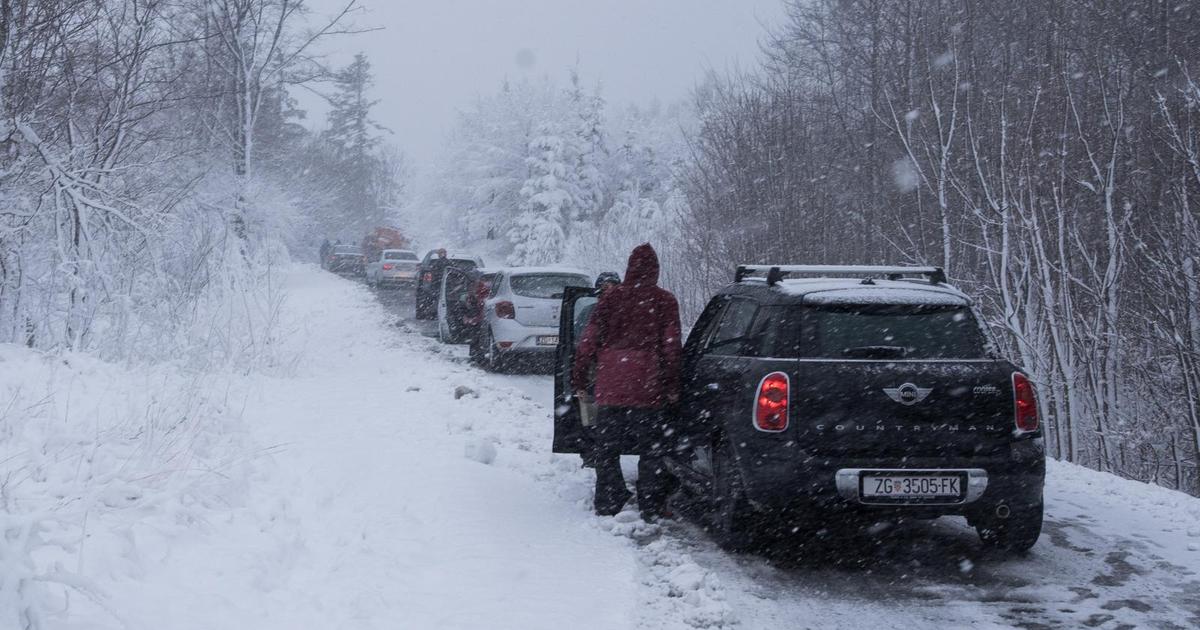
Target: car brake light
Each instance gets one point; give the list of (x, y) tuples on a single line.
[(387, 266), (428, 277), (1025, 403), (505, 310), (771, 403)]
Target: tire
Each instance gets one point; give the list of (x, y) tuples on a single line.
[(1017, 533), (734, 523), (475, 350), (490, 355), (425, 310)]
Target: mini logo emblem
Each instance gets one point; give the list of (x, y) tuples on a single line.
[(907, 394), (986, 390)]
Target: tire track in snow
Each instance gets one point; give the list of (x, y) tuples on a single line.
[(676, 592)]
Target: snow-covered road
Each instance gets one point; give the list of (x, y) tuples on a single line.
[(403, 488)]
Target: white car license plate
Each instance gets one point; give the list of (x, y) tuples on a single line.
[(893, 486), (547, 340)]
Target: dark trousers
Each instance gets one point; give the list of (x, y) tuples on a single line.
[(629, 430)]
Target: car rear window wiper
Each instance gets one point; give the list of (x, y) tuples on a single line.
[(876, 352)]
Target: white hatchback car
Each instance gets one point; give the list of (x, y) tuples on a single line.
[(521, 314)]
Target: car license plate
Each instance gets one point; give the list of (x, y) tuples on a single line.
[(547, 340), (899, 486)]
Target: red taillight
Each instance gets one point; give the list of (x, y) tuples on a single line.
[(771, 403), (1025, 403), (505, 310), (388, 266), (428, 277)]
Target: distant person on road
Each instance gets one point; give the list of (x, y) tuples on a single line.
[(604, 282), (438, 266), (325, 247), (430, 283), (633, 342)]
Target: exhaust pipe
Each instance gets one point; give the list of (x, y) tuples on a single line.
[(1003, 511)]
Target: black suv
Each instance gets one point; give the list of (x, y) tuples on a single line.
[(346, 259), (863, 390)]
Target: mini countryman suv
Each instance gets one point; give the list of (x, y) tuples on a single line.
[(814, 392)]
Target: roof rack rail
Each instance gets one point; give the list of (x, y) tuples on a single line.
[(775, 273)]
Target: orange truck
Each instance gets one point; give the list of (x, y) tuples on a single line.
[(382, 238)]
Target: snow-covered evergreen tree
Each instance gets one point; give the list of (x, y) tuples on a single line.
[(353, 138), (589, 151), (540, 231)]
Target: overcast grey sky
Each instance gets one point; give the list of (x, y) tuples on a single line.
[(434, 56)]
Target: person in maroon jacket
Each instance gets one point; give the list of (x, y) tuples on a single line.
[(633, 342)]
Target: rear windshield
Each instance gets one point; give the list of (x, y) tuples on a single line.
[(879, 332), (399, 256), (894, 332), (547, 286), (350, 251)]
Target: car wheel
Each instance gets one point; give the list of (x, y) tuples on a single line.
[(1017, 533), (492, 360), (424, 307), (475, 349), (734, 522)]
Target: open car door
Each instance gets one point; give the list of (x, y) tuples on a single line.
[(568, 427), (456, 289)]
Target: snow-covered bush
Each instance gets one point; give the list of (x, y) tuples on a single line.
[(144, 213), (94, 459)]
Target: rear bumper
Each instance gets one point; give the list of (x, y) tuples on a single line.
[(806, 482), (522, 338), (395, 281)]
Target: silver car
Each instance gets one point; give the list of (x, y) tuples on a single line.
[(394, 267), (521, 314)]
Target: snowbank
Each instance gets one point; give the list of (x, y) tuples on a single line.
[(99, 462)]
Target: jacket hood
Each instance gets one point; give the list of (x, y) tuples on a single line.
[(643, 267)]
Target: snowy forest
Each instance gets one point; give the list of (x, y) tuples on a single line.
[(153, 163), (1047, 155), (545, 172), (154, 178)]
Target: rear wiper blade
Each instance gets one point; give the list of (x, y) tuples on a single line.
[(876, 352)]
